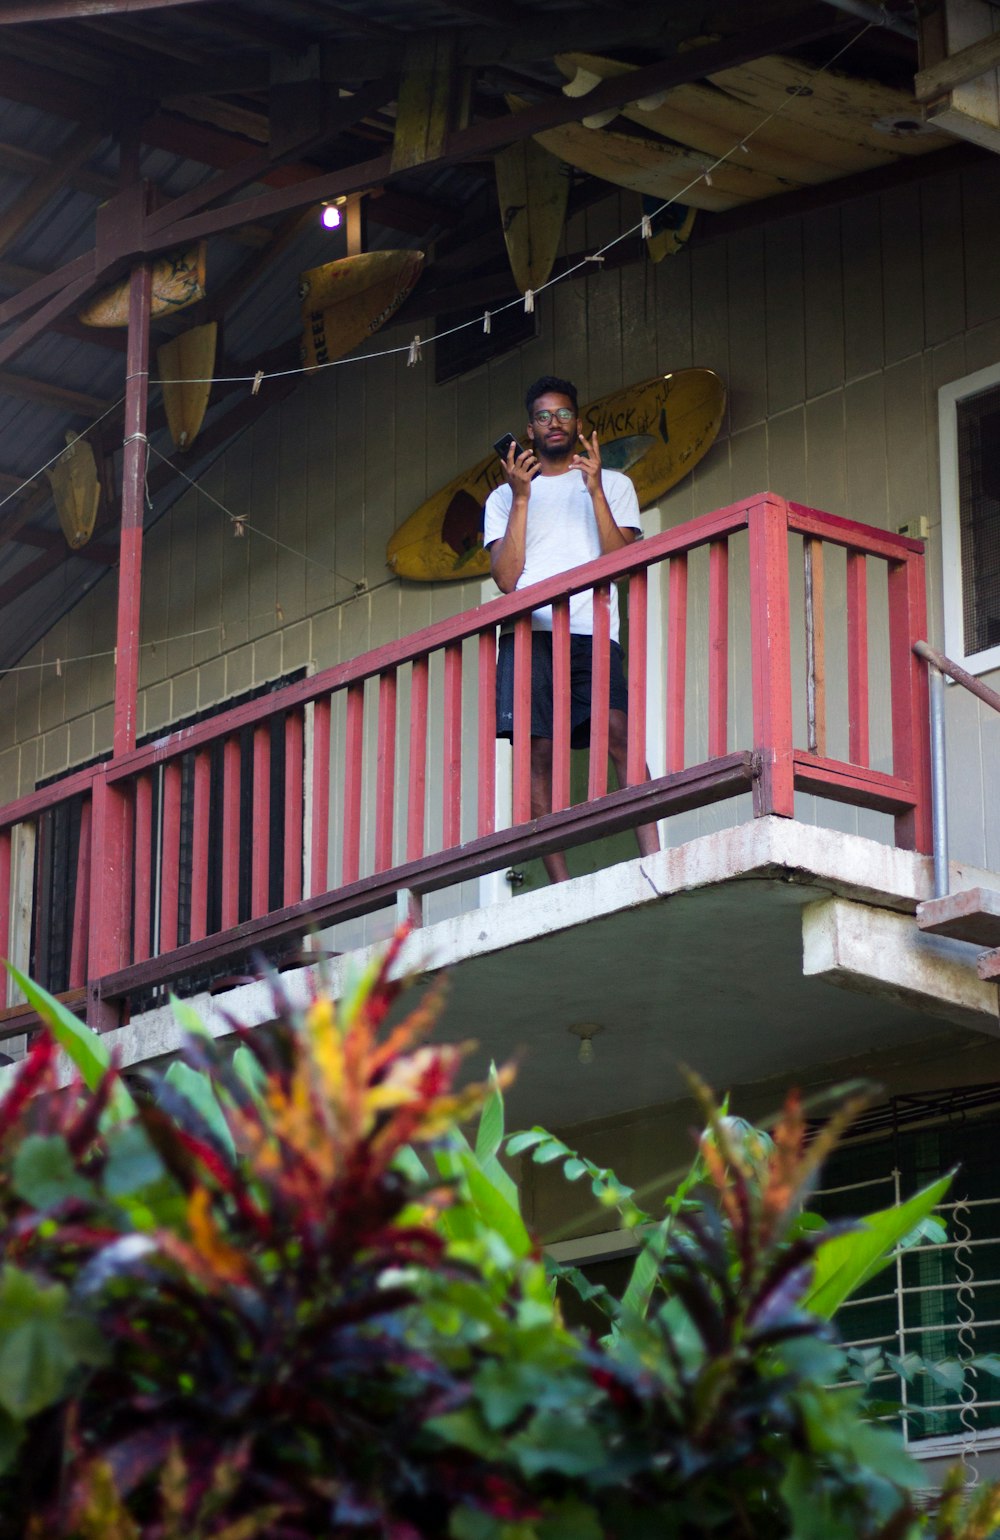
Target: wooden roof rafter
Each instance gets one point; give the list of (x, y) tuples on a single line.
[(18, 12)]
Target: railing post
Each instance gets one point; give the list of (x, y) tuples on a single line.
[(911, 749), (110, 895), (770, 650)]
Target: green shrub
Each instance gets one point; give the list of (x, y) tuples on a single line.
[(277, 1293)]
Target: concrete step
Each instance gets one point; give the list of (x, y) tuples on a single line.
[(972, 915)]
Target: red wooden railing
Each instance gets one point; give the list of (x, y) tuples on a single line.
[(339, 739)]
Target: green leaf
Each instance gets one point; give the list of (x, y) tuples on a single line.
[(989, 1363), (44, 1173), (465, 1429), (948, 1373), (473, 1524), (495, 1211), (845, 1262), (187, 1017), (77, 1041), (518, 1143), (11, 1436), (37, 1353), (553, 1441), (572, 1519), (197, 1088), (132, 1163), (490, 1133), (908, 1365)]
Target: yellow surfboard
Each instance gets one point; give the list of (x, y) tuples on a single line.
[(819, 124), (186, 365), (76, 489), (533, 188), (656, 167), (178, 281), (345, 302), (656, 432)]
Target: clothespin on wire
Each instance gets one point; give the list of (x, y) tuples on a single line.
[(414, 355)]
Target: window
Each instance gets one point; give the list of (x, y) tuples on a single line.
[(969, 411), (941, 1301)]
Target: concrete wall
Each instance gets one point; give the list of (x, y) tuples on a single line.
[(833, 332)]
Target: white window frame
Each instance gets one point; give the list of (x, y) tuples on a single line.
[(949, 397)]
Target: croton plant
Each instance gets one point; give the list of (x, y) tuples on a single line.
[(276, 1292)]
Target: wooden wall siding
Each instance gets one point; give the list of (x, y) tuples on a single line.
[(833, 332)]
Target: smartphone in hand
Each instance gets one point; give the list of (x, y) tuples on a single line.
[(502, 446)]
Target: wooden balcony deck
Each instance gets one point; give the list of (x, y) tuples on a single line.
[(163, 884)]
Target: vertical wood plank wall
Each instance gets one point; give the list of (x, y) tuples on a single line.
[(833, 332)]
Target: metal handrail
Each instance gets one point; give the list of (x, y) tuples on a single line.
[(940, 666)]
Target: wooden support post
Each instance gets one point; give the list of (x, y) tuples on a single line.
[(774, 791), (110, 896), (133, 506), (911, 749)]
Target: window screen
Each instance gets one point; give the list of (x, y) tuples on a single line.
[(941, 1301), (978, 422)]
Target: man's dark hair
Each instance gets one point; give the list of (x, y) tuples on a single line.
[(550, 385)]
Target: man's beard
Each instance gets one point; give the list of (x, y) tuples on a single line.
[(546, 451)]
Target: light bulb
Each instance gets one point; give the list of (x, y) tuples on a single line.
[(586, 1054), (330, 216)]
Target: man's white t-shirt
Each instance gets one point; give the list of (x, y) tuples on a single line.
[(562, 533)]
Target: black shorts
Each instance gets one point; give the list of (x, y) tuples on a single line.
[(580, 650)]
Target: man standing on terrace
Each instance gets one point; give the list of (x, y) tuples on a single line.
[(558, 509)]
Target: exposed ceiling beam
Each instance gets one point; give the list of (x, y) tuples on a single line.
[(75, 153), (13, 12), (59, 396), (486, 137), (255, 168)]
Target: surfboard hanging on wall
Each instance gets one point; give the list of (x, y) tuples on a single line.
[(76, 489), (347, 301), (655, 432), (186, 364), (532, 189), (178, 281), (797, 126)]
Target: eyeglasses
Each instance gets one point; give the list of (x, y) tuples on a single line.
[(563, 413)]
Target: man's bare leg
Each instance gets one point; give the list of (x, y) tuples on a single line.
[(646, 834), (541, 802)]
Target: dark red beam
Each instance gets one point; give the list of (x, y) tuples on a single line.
[(14, 11)]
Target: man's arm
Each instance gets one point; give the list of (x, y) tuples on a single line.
[(611, 534), (507, 554)]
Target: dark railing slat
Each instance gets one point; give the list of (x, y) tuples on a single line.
[(5, 901), (451, 778), (261, 804), (560, 705), (354, 749), (677, 663), (319, 855), (231, 831), (81, 902), (291, 885), (815, 594), (143, 882), (417, 775), (486, 757), (522, 719), (170, 855), (600, 684), (637, 648), (385, 770), (718, 648), (857, 657), (200, 843)]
